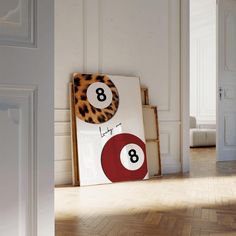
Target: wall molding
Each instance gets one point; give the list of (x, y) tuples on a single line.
[(184, 83), (84, 36), (168, 108), (167, 135), (171, 153), (61, 115), (63, 156), (170, 168), (99, 35), (62, 129)]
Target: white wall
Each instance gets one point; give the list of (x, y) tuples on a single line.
[(203, 60), (128, 37)]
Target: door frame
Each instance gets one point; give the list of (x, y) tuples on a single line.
[(185, 82)]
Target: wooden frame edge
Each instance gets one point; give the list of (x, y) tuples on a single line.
[(75, 159), (158, 140)]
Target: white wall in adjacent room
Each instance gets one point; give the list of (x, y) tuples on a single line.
[(203, 60), (126, 37)]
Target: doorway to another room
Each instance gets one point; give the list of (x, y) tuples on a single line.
[(202, 87)]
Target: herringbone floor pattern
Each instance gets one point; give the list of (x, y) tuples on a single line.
[(203, 203)]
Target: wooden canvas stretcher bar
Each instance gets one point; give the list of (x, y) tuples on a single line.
[(145, 96), (151, 128), (154, 163)]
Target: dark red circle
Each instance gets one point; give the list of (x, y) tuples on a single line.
[(111, 163)]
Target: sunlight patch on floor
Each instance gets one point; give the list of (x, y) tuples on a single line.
[(134, 197)]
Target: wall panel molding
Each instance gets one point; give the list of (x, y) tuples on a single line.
[(20, 102), (91, 39), (169, 147), (167, 108), (95, 15), (100, 37), (165, 142), (84, 7), (62, 115), (63, 154), (69, 47)]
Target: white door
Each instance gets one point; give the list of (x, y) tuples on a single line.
[(226, 99), (26, 118)]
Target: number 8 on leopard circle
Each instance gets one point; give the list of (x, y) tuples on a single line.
[(101, 96), (96, 98)]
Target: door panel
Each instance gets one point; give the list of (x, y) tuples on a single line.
[(9, 194), (18, 22), (26, 118), (18, 172), (226, 110), (230, 129), (230, 39)]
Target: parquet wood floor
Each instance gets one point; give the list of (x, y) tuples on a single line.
[(201, 203)]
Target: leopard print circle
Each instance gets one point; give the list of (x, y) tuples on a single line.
[(86, 111)]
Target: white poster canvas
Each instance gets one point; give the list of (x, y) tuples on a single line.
[(110, 133)]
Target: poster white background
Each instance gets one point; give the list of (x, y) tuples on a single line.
[(127, 119)]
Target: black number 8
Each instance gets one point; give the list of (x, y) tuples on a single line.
[(101, 96), (133, 156)]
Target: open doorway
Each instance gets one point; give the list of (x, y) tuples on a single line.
[(202, 86)]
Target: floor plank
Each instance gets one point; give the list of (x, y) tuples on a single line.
[(201, 203)]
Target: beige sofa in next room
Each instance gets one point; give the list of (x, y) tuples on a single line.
[(200, 137)]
